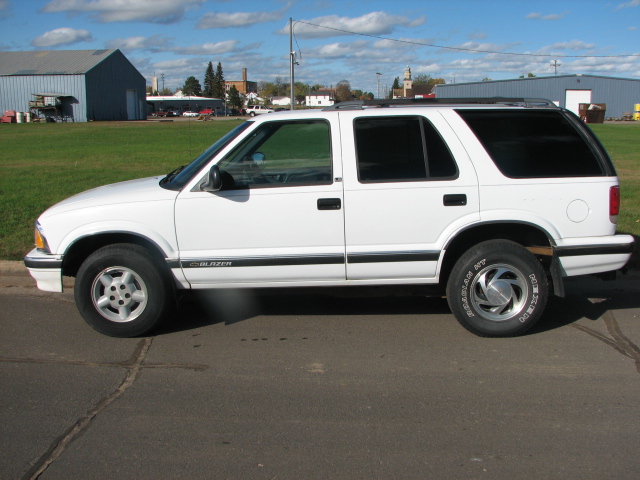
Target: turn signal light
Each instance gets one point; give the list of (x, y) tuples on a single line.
[(41, 242)]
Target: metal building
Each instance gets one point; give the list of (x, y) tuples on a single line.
[(568, 91), (72, 85)]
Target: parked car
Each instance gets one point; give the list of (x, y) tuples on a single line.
[(189, 113), (254, 110), (491, 202), (206, 111)]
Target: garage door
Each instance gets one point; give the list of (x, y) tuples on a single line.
[(574, 98)]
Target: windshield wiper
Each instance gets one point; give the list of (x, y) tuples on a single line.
[(172, 175)]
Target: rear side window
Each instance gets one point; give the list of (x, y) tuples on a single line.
[(401, 149), (534, 144)]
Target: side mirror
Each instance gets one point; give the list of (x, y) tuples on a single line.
[(213, 183)]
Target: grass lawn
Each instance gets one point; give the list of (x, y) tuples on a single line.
[(45, 163)]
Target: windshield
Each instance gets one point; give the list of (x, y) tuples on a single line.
[(181, 176)]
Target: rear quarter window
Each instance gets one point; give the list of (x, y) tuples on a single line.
[(535, 144)]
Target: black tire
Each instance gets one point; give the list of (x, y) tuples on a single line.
[(121, 291), (497, 289)]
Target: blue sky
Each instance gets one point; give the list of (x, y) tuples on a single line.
[(458, 40)]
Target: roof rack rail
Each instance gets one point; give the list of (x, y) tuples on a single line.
[(361, 104)]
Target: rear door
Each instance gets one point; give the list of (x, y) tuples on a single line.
[(406, 191)]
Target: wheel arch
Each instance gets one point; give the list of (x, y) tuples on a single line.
[(81, 248), (528, 235)]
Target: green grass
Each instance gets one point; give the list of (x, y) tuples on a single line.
[(622, 141), (45, 163)]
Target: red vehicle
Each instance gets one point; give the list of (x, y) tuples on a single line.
[(206, 111)]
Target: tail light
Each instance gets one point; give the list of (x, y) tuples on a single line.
[(614, 201)]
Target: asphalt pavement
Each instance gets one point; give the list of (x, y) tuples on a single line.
[(275, 385)]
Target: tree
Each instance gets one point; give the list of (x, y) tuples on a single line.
[(209, 80), (192, 87), (343, 91), (529, 75), (396, 85), (422, 79), (235, 99), (218, 90)]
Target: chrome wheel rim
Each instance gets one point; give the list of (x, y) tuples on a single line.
[(119, 294), (499, 292)]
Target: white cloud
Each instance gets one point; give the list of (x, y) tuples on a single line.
[(632, 3), (573, 45), (239, 19), (61, 36), (374, 23), (216, 48), (539, 16), (106, 11), (155, 43)]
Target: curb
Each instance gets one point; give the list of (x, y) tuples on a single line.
[(8, 267)]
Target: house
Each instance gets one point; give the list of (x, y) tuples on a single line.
[(72, 85), (281, 101), (321, 98)]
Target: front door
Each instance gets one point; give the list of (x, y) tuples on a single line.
[(279, 216)]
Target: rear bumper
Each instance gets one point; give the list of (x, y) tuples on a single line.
[(45, 269), (586, 256)]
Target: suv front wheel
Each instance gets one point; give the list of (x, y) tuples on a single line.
[(498, 289), (121, 291)]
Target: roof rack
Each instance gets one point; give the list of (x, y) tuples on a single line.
[(400, 102)]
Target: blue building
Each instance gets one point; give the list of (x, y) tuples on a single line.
[(567, 91), (72, 85)]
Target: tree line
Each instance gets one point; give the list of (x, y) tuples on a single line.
[(214, 87)]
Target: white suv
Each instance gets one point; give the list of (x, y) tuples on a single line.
[(491, 201), (254, 110)]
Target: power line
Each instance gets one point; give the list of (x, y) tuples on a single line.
[(464, 49)]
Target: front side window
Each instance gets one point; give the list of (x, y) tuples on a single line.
[(287, 153), (533, 144), (401, 149)]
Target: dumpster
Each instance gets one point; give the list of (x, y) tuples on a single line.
[(592, 112)]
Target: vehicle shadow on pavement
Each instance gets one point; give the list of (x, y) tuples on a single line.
[(587, 299), (199, 309)]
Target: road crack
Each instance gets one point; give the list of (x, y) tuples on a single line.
[(618, 340), (59, 445)]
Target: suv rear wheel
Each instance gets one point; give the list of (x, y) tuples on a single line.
[(120, 291), (498, 289)]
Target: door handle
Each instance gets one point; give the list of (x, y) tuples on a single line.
[(329, 204), (454, 200)]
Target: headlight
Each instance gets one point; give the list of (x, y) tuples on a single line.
[(41, 241)]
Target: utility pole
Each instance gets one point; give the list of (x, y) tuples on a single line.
[(555, 66), (162, 78), (378, 74), (291, 62)]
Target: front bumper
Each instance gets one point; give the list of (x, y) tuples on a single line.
[(46, 269)]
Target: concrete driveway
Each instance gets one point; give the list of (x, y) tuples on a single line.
[(278, 386)]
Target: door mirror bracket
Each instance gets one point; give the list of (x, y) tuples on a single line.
[(213, 182)]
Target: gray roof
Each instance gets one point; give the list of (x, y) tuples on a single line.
[(51, 62)]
